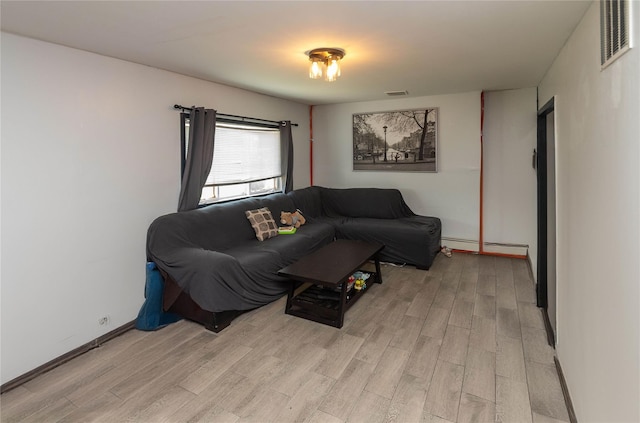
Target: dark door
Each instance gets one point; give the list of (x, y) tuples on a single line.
[(546, 284)]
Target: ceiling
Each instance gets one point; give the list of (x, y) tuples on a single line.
[(424, 47)]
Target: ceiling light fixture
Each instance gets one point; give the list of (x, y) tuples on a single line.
[(325, 61)]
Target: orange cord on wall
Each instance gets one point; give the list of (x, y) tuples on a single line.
[(311, 145), (481, 234), (481, 227)]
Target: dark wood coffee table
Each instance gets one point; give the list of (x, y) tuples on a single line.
[(319, 288)]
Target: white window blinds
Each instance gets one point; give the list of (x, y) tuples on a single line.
[(244, 154)]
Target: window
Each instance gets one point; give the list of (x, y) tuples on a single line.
[(614, 30), (246, 161)]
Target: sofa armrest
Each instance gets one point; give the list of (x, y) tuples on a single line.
[(185, 263), (214, 280)]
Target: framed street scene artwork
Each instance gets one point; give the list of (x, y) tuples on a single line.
[(399, 141)]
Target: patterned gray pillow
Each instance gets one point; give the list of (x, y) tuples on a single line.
[(263, 223)]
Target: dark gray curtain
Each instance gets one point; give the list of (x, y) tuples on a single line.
[(202, 128), (286, 155)]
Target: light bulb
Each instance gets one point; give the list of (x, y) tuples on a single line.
[(333, 69), (315, 70)]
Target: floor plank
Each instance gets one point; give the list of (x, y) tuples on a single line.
[(435, 324), (443, 397), (508, 323), (510, 359), (512, 401), (462, 313), (408, 401), (387, 374), (294, 375), (369, 408), (536, 346), (530, 315), (375, 344), (207, 404), (480, 374), (545, 391), (476, 410), (339, 355), (483, 334), (340, 400), (423, 358), (406, 336), (306, 399), (454, 345), (486, 285)]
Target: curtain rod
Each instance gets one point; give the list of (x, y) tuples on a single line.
[(242, 118)]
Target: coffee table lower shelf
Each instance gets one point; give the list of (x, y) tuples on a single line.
[(319, 280), (323, 305)]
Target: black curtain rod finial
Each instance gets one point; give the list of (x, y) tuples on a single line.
[(179, 107)]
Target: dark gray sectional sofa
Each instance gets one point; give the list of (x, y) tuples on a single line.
[(215, 268)]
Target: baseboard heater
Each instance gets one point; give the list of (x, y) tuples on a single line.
[(488, 247)]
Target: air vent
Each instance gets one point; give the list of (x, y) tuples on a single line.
[(614, 30), (396, 93)]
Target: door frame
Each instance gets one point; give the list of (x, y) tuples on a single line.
[(541, 165)]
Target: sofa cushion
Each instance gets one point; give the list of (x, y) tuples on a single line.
[(277, 203), (412, 240), (306, 240), (242, 278), (308, 201), (206, 228), (364, 202), (262, 223)]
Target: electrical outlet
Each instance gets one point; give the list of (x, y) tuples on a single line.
[(104, 320)]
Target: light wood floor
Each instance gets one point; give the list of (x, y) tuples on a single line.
[(462, 342)]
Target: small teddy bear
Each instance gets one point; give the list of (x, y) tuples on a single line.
[(295, 219)]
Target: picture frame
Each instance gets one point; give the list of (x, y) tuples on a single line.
[(399, 141)]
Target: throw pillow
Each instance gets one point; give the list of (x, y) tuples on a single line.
[(263, 223)]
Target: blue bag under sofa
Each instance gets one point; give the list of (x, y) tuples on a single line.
[(151, 315)]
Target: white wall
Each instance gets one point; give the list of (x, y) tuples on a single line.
[(510, 184), (90, 156), (452, 193), (598, 222)]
